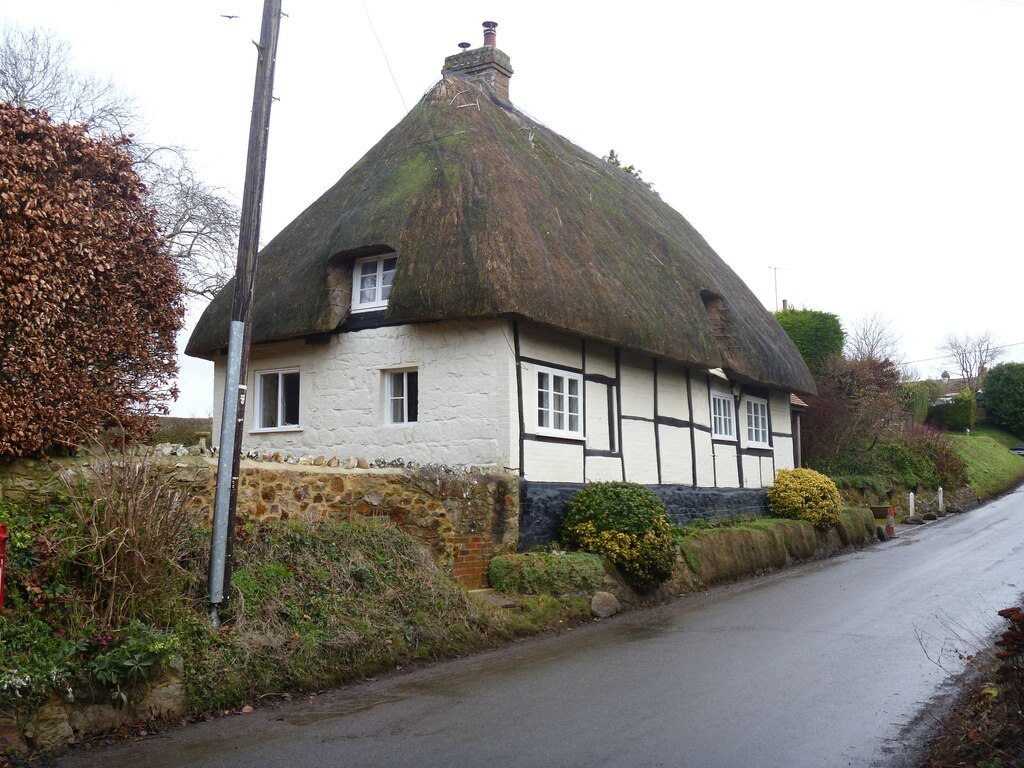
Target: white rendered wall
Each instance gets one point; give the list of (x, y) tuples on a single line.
[(558, 461), (466, 377), (672, 393), (727, 472), (703, 448), (469, 410), (676, 455), (637, 387), (639, 453)]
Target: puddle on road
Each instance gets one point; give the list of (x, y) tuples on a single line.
[(361, 704)]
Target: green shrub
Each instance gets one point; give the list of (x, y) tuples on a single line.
[(914, 398), (1004, 396), (627, 524), (957, 415), (546, 573), (803, 494), (818, 336)]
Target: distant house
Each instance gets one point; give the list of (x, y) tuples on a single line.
[(477, 290)]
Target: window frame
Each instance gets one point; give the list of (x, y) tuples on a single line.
[(760, 404), (357, 274), (719, 420), (549, 430), (281, 414), (389, 396)]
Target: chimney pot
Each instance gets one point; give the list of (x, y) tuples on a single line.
[(485, 64), (785, 304), (490, 33)]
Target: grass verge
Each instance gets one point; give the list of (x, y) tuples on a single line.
[(991, 468)]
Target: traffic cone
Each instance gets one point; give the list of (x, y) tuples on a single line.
[(890, 522)]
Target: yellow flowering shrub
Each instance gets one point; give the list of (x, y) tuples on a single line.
[(803, 494), (627, 524)]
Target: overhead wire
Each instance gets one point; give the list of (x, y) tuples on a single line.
[(387, 62), (947, 357)]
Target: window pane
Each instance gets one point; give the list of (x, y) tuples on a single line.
[(412, 396), (368, 282), (290, 395), (543, 400), (396, 398), (757, 422), (722, 418), (573, 405), (402, 397), (558, 403), (387, 278), (268, 400)]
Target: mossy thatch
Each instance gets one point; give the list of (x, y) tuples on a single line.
[(492, 215)]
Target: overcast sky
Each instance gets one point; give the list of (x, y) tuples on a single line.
[(851, 156)]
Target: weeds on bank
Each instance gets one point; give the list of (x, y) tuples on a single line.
[(107, 584), (984, 729)]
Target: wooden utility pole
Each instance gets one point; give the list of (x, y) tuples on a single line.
[(240, 334)]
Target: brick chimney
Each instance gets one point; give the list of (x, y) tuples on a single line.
[(485, 64)]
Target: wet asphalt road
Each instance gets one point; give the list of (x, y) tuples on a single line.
[(837, 663)]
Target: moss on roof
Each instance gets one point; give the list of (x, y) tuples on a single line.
[(492, 214)]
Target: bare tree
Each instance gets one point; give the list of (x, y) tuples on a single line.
[(36, 72), (199, 223), (872, 338), (973, 355)]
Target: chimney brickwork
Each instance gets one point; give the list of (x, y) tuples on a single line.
[(485, 64)]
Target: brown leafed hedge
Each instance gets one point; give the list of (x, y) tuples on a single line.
[(90, 302)]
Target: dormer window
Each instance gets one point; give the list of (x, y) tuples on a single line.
[(371, 281)]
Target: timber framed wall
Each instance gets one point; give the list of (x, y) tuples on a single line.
[(645, 420)]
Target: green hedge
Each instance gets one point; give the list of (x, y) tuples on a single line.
[(957, 415)]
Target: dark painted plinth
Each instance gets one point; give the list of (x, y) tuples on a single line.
[(542, 506)]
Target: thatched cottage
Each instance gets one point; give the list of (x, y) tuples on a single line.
[(477, 290)]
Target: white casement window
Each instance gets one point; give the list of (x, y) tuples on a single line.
[(401, 397), (757, 422), (277, 399), (723, 423), (559, 403), (371, 282)]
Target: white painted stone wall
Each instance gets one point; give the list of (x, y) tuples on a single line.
[(466, 382)]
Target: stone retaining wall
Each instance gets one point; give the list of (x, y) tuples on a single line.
[(465, 517)]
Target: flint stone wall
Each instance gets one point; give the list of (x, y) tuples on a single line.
[(543, 505)]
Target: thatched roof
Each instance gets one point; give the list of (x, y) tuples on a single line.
[(492, 214)]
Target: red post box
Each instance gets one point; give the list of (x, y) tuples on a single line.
[(3, 559)]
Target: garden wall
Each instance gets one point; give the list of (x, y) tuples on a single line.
[(465, 517)]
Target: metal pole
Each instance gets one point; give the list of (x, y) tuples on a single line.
[(233, 412)]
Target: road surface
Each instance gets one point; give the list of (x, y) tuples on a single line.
[(835, 663)]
